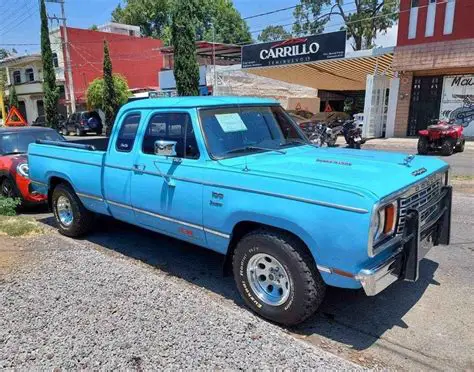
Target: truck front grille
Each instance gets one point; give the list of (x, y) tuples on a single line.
[(419, 196)]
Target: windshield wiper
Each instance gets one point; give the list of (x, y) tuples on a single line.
[(301, 142), (247, 148)]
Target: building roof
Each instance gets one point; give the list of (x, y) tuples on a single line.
[(19, 59), (198, 101), (349, 73)]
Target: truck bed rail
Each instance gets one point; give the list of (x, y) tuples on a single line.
[(67, 144)]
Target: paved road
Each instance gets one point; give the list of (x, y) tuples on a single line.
[(425, 325)]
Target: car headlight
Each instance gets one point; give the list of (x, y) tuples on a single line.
[(23, 169), (383, 224)]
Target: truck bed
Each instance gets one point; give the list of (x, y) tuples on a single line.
[(80, 164)]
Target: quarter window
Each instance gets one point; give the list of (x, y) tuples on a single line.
[(128, 133), (175, 126)]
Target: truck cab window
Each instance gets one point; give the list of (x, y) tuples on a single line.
[(176, 127), (128, 132)]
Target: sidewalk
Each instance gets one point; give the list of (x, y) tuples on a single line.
[(404, 143)]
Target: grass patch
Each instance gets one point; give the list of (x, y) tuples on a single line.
[(18, 226)]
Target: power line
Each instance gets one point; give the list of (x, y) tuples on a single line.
[(15, 21), (270, 12)]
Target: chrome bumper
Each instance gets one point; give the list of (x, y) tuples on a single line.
[(411, 248)]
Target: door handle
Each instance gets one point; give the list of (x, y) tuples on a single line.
[(139, 167)]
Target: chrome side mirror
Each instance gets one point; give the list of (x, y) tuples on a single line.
[(165, 148)]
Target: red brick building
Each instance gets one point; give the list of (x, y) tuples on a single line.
[(136, 58), (434, 59)]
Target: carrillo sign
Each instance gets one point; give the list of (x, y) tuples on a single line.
[(298, 50)]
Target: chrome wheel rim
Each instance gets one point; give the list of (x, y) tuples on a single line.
[(268, 279), (64, 210)]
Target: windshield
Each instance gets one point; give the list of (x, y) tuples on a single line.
[(13, 143), (236, 131)]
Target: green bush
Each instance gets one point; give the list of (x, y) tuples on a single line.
[(8, 206)]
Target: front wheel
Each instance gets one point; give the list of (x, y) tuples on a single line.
[(72, 217), (276, 277)]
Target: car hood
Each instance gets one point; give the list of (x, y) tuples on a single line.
[(377, 173)]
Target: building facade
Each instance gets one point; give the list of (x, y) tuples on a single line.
[(25, 72), (434, 59), (138, 59)]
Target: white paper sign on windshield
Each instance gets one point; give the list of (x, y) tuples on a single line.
[(231, 123)]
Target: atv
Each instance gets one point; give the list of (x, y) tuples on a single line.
[(444, 136)]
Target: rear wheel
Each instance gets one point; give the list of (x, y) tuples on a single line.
[(72, 217), (447, 147), (423, 146), (276, 277), (460, 147)]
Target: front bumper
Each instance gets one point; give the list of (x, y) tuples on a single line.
[(410, 248)]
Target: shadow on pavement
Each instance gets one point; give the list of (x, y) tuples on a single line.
[(346, 316)]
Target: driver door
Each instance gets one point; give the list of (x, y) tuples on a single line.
[(165, 194)]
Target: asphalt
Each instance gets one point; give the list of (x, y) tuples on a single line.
[(426, 325)]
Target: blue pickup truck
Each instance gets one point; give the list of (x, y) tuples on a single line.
[(237, 175)]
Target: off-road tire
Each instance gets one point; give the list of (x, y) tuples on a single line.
[(447, 147), (82, 218), (307, 288), (460, 147), (423, 146)]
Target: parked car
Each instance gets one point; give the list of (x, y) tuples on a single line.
[(14, 174), (236, 175), (40, 121), (81, 123)]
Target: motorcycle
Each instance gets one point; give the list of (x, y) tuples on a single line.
[(352, 134), (323, 134)]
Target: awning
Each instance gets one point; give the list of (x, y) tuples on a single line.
[(347, 73)]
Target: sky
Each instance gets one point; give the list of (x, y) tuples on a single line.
[(20, 23)]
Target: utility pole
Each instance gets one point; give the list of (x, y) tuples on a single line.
[(67, 60)]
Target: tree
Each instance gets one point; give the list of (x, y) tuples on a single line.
[(109, 95), (95, 92), (13, 98), (51, 91), (308, 19), (153, 17), (369, 17), (183, 36), (94, 27), (273, 33), (361, 23)]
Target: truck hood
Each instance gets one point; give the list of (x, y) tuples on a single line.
[(376, 173)]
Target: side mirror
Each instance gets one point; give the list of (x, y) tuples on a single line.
[(165, 148)]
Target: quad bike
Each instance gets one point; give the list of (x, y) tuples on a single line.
[(444, 136)]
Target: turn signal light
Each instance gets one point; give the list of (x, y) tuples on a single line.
[(390, 219)]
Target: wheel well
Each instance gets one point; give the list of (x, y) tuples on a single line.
[(245, 227), (53, 182)]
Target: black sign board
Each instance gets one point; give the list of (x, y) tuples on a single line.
[(298, 50)]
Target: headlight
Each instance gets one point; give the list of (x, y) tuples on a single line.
[(23, 170), (383, 224)]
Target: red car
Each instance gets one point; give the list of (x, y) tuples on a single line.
[(14, 180)]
